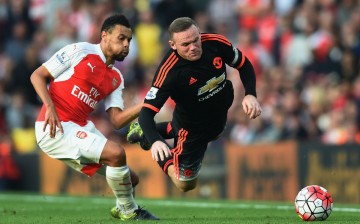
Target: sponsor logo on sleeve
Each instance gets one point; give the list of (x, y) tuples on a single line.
[(62, 58), (151, 94)]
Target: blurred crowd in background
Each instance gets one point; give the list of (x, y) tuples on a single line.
[(305, 53)]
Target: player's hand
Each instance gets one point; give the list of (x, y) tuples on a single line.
[(160, 150), (52, 119), (251, 106)]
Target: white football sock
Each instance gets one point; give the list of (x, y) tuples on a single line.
[(119, 181)]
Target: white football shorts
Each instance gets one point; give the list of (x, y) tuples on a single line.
[(80, 147)]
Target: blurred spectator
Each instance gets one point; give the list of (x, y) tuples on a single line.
[(165, 11), (344, 10), (19, 113), (15, 46), (76, 16), (18, 12), (20, 75), (296, 51), (3, 14), (240, 130), (222, 15), (98, 11), (355, 96), (148, 38), (267, 27), (128, 8), (37, 11), (256, 53), (336, 130), (276, 129), (6, 66), (41, 43), (349, 39), (63, 34), (4, 101), (204, 22), (285, 7), (250, 12), (322, 39), (9, 171), (283, 37)]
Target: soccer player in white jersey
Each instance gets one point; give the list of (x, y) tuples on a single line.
[(82, 74)]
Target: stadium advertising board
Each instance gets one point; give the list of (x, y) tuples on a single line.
[(335, 167), (262, 172)]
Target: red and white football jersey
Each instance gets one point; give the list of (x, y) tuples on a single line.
[(81, 80)]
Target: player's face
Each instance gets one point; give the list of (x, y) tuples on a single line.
[(187, 43), (117, 42)]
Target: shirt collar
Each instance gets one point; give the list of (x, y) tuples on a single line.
[(100, 52)]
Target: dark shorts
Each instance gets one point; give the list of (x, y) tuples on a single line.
[(188, 153)]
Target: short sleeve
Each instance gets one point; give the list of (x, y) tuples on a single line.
[(60, 61), (115, 99)]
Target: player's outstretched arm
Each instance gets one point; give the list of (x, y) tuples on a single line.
[(250, 103), (39, 80), (120, 118)]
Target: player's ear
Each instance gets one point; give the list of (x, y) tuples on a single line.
[(103, 34), (172, 44)]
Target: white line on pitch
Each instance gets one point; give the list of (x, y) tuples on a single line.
[(156, 202)]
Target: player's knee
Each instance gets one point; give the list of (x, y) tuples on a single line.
[(186, 186), (118, 157), (113, 155)]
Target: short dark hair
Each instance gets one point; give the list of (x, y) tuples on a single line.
[(112, 21), (181, 24)]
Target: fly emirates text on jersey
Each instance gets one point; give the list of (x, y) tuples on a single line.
[(84, 97)]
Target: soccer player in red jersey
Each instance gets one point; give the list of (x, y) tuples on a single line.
[(193, 73), (81, 75)]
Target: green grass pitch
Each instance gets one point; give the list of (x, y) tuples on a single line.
[(32, 208)]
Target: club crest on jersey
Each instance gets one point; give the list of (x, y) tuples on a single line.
[(81, 134), (217, 62), (151, 94)]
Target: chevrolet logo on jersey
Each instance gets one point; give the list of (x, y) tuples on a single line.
[(211, 84)]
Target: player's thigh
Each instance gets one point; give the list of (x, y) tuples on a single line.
[(82, 143)]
